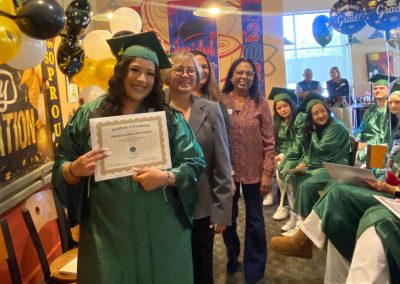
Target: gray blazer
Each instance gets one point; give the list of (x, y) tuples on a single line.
[(214, 185)]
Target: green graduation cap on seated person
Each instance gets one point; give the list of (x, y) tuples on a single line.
[(278, 94), (381, 80), (144, 45), (395, 88), (310, 100)]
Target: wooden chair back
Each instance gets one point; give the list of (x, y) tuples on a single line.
[(7, 253), (354, 149), (38, 210)]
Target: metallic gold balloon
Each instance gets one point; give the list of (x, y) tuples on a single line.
[(10, 39)]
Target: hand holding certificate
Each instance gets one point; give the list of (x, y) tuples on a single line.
[(136, 140)]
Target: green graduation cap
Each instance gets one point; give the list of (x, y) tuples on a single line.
[(278, 94), (395, 88), (310, 100), (381, 80), (144, 45)]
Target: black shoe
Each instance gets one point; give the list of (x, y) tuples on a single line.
[(233, 267)]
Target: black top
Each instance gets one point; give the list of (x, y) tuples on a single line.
[(338, 93)]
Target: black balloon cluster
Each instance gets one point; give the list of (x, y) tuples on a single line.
[(41, 19), (70, 54)]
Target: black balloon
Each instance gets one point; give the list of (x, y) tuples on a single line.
[(78, 17), (70, 56), (382, 14), (322, 30), (347, 16), (41, 19)]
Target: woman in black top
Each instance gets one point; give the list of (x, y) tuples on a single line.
[(339, 100)]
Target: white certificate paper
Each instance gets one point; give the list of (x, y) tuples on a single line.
[(135, 140)]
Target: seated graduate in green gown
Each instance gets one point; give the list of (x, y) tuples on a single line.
[(134, 229), (376, 257), (373, 128), (288, 129), (325, 140), (335, 217)]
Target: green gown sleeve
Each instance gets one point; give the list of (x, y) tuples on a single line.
[(295, 151), (332, 147), (374, 127), (187, 163), (73, 143), (282, 140)]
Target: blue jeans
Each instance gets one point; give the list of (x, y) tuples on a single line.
[(255, 245)]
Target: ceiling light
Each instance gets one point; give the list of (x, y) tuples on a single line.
[(214, 8)]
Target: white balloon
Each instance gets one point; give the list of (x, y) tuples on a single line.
[(126, 19), (96, 46), (90, 93), (31, 53)]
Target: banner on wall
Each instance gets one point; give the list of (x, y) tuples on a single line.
[(252, 28), (18, 126), (188, 32), (52, 94)]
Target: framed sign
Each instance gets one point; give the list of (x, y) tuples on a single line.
[(377, 63)]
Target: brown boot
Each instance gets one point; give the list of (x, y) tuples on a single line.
[(298, 245)]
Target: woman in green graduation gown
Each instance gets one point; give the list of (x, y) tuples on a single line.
[(134, 229), (325, 140), (287, 131), (335, 217)]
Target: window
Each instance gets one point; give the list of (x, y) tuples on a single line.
[(302, 51)]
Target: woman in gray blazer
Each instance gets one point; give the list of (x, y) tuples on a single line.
[(214, 204)]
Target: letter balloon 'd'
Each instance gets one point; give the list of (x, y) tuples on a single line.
[(382, 14), (322, 30), (41, 19), (347, 16)]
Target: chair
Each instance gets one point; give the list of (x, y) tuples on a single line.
[(354, 149), (40, 209), (7, 253)]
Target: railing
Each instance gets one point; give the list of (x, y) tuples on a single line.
[(20, 189)]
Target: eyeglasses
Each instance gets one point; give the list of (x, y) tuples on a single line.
[(179, 71), (248, 73)]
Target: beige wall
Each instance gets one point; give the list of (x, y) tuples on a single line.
[(274, 67)]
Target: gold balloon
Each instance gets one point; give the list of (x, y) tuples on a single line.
[(43, 141), (104, 71), (10, 39), (86, 77), (7, 6)]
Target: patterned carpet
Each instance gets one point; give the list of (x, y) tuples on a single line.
[(280, 268)]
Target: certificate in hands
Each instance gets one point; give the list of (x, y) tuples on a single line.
[(135, 140)]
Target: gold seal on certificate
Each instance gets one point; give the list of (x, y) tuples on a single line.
[(135, 140)]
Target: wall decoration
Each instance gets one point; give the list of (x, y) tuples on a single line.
[(188, 32), (377, 63)]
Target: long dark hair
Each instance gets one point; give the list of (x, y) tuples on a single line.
[(254, 89), (210, 88), (112, 104), (278, 119), (310, 126)]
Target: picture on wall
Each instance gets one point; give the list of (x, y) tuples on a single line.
[(377, 63)]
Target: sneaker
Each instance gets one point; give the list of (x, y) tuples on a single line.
[(291, 232), (268, 200), (290, 224), (281, 213)]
